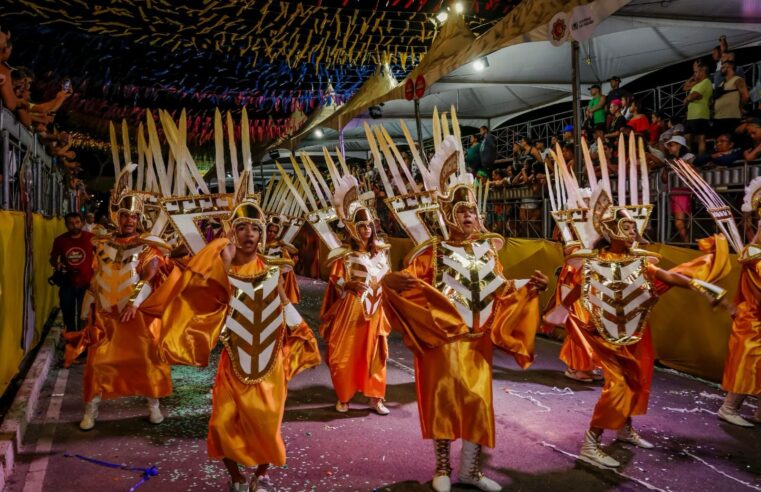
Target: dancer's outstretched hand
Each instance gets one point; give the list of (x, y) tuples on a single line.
[(538, 281)]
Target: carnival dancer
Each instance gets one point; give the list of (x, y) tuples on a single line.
[(742, 368), (277, 248), (353, 322), (123, 358), (613, 287), (575, 352), (452, 303), (231, 292)]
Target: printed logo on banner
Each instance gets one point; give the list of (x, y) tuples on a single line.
[(558, 29), (583, 23)]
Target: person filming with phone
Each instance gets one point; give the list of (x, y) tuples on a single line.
[(72, 257)]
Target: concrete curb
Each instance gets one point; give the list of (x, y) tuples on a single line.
[(22, 410)]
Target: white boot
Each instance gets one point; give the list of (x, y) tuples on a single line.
[(729, 411), (91, 413), (377, 405), (441, 481), (262, 483), (154, 411), (237, 487), (628, 434), (591, 452), (470, 468)]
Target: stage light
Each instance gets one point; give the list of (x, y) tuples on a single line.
[(481, 64), (442, 17), (318, 133), (459, 8)]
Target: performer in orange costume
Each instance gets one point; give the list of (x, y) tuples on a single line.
[(123, 358), (231, 292), (278, 248), (612, 286), (353, 321), (453, 305), (742, 369)]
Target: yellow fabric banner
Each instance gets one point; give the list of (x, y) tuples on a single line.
[(687, 334), (12, 254), (44, 231)]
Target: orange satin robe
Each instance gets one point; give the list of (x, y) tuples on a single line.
[(575, 352), (290, 283), (453, 367), (742, 369), (123, 358), (628, 369), (357, 345), (245, 418)]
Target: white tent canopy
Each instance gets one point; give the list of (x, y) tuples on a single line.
[(641, 37)]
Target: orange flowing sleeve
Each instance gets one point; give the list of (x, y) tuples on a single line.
[(192, 321), (336, 281), (516, 320), (424, 316), (710, 267)]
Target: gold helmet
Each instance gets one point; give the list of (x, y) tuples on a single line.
[(246, 209), (458, 197), (124, 199), (752, 199)]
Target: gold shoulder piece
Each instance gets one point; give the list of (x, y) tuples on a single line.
[(643, 252), (419, 249), (337, 254), (288, 247), (272, 261), (155, 241), (583, 253), (497, 240), (750, 253)]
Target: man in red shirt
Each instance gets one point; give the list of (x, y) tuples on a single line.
[(73, 254)]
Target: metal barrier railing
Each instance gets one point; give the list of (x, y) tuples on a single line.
[(525, 212), (30, 178)]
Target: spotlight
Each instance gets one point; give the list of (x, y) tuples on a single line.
[(375, 112), (458, 8), (442, 17), (318, 133), (481, 64)]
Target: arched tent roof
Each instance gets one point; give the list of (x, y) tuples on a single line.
[(641, 37)]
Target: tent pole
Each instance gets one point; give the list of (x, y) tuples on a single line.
[(419, 131), (575, 82), (341, 142)]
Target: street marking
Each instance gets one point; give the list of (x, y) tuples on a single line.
[(35, 475)]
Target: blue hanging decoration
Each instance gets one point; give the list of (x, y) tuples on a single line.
[(147, 473)]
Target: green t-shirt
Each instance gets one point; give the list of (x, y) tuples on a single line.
[(700, 109), (598, 117)]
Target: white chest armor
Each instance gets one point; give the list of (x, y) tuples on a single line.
[(117, 273), (619, 297), (466, 274), (253, 329), (368, 270)]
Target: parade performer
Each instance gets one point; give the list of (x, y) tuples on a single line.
[(613, 286), (742, 368), (452, 303), (353, 322), (231, 292), (123, 358), (282, 228), (575, 351)]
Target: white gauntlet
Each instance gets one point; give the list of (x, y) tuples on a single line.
[(141, 292), (292, 317)]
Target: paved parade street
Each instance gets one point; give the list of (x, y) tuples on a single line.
[(540, 418)]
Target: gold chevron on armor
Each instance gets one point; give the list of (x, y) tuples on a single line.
[(466, 276), (118, 274), (254, 327), (619, 297), (369, 271)]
